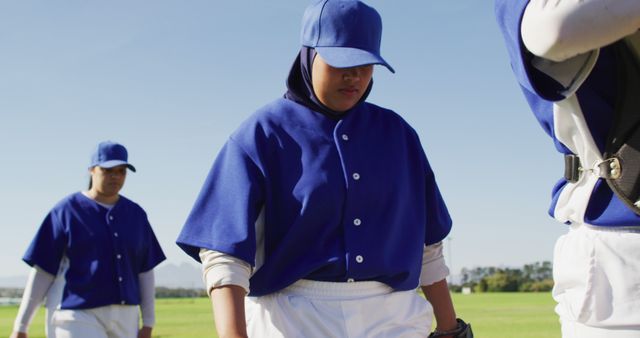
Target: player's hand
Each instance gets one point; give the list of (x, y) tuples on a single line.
[(145, 332), (18, 335)]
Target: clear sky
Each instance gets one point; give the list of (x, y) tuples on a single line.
[(172, 79)]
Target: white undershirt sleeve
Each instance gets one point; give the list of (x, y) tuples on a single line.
[(434, 268), (147, 298), (220, 269), (560, 29), (34, 293)]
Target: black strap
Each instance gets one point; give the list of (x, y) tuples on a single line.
[(623, 143)]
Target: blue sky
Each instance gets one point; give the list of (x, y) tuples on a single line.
[(172, 79)]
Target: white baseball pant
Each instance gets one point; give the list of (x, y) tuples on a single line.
[(324, 309), (113, 321), (597, 282)]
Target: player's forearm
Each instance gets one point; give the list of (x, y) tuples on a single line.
[(228, 310), (560, 29), (146, 280), (440, 298), (34, 293)]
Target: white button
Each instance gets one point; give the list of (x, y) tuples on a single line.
[(110, 218), (359, 259), (350, 280), (119, 279), (357, 222), (122, 302), (356, 176), (115, 234), (345, 137), (119, 256)]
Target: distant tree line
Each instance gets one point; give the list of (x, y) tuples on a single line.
[(536, 277), (10, 292), (163, 292)]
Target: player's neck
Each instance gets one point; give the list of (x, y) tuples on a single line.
[(97, 196)]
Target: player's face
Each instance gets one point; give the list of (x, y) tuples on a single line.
[(339, 88), (108, 181)]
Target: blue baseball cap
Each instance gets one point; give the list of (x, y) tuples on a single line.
[(346, 33), (110, 154)]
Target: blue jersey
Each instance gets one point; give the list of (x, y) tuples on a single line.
[(106, 249), (300, 195), (587, 100)]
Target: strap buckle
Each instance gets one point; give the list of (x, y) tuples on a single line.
[(610, 168), (572, 168)]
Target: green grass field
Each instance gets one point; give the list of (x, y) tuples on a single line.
[(493, 315)]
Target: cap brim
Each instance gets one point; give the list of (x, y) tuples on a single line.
[(346, 57), (115, 163)]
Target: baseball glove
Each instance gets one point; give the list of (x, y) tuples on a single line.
[(462, 331)]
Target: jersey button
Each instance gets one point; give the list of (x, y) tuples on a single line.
[(122, 302), (356, 176), (115, 234), (357, 222), (350, 280), (345, 137), (119, 279), (119, 256), (359, 259), (110, 218)]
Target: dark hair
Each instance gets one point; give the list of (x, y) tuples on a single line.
[(90, 178)]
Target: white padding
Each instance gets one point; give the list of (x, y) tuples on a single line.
[(434, 268), (220, 269), (560, 29)]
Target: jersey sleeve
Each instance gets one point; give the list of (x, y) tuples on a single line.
[(509, 16), (48, 245), (224, 214), (438, 218), (154, 254)]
